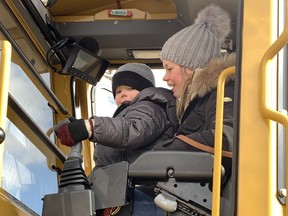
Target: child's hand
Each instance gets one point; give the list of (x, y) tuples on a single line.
[(71, 133)]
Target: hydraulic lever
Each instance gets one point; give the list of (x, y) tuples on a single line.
[(74, 197)]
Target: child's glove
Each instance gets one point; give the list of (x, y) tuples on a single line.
[(71, 133)]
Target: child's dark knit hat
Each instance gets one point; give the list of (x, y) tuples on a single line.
[(137, 75)]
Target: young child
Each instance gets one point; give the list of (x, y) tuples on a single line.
[(141, 115), (146, 116)]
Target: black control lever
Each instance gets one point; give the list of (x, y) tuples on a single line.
[(74, 196), (73, 176)]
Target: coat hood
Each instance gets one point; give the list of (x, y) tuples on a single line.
[(205, 80)]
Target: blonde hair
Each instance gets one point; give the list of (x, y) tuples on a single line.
[(184, 100)]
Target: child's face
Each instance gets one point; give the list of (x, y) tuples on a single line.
[(124, 94)]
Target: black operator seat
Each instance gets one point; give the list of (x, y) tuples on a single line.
[(182, 181)]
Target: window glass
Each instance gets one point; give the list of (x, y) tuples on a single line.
[(159, 74), (26, 175), (29, 97), (105, 104)]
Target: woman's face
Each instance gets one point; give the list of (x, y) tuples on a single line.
[(175, 76), (124, 94)]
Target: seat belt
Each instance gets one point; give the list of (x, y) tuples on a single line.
[(202, 146)]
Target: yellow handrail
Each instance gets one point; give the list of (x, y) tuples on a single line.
[(5, 64), (218, 140), (265, 110)]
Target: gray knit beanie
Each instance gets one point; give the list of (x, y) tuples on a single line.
[(136, 75), (194, 46)]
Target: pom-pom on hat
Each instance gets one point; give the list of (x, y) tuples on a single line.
[(137, 75), (194, 46)]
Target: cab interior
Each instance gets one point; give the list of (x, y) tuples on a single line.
[(111, 33)]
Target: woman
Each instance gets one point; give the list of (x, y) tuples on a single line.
[(193, 62)]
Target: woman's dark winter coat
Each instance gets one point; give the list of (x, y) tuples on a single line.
[(198, 120)]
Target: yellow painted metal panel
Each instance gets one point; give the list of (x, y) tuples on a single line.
[(10, 207), (257, 176)]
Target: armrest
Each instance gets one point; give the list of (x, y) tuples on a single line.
[(183, 166)]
